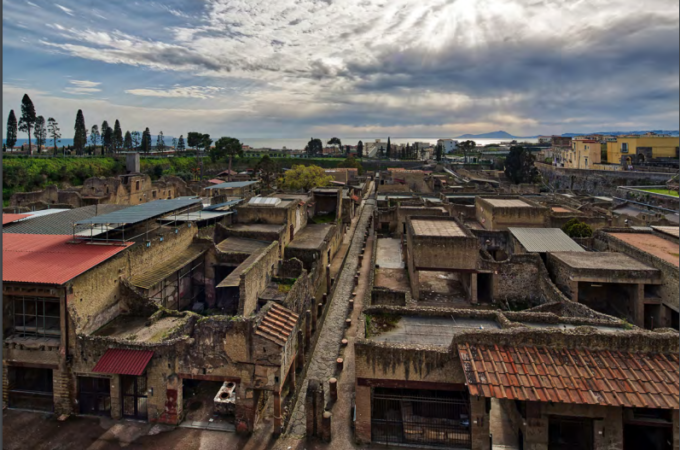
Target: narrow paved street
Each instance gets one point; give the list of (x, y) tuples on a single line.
[(322, 365)]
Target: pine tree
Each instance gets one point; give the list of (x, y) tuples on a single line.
[(106, 137), (146, 140), (55, 132), (28, 118), (39, 132), (127, 142), (360, 149), (388, 153), (180, 143), (11, 130), (117, 136), (94, 136), (80, 135)]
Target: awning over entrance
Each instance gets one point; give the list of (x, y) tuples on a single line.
[(592, 377), (123, 362)]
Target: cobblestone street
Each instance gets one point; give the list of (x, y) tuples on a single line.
[(323, 361)]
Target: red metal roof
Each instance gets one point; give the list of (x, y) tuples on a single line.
[(123, 362), (593, 377), (9, 218), (49, 258), (277, 325)]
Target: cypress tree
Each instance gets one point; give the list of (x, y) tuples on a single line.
[(146, 140), (80, 135), (127, 142), (11, 130), (360, 149), (28, 118), (389, 148), (117, 136), (180, 143), (106, 140)]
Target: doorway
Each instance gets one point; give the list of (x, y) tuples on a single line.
[(569, 433), (30, 388), (134, 397), (484, 287), (94, 396)]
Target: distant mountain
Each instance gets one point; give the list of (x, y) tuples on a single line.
[(492, 135)]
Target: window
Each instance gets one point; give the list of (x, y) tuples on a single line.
[(624, 147), (137, 185), (37, 316), (154, 194)]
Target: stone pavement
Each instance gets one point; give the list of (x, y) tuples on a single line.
[(322, 365)]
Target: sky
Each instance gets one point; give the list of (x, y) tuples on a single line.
[(322, 68)]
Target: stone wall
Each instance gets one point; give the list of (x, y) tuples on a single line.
[(387, 297), (442, 252), (254, 279), (597, 182), (515, 279), (500, 218)]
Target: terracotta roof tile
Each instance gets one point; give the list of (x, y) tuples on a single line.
[(277, 325), (597, 377)]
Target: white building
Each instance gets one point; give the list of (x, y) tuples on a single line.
[(448, 144)]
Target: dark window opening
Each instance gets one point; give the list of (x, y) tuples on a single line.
[(568, 433), (94, 396), (137, 185), (36, 316), (133, 391), (30, 388)]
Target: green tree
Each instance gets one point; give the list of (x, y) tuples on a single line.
[(106, 137), (117, 136), (305, 178), (11, 130), (27, 119), (146, 140), (80, 132), (351, 163), (206, 142), (94, 136), (160, 142), (388, 152), (174, 143), (439, 149), (314, 147), (360, 149), (194, 139), (335, 142), (519, 166), (268, 169), (136, 139), (576, 228), (54, 131), (127, 141), (180, 143), (226, 147), (466, 147), (40, 132)]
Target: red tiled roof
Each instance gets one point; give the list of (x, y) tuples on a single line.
[(9, 218), (277, 325), (123, 362), (215, 181), (49, 258), (593, 377)]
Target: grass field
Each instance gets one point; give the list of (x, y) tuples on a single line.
[(662, 191)]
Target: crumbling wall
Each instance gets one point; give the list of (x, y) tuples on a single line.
[(515, 280), (387, 297), (254, 214)]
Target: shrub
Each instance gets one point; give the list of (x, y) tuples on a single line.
[(576, 228)]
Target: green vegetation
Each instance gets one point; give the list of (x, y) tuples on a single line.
[(578, 229), (305, 178), (381, 323), (351, 163), (325, 218), (662, 191), (519, 166)]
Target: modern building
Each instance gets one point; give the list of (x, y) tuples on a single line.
[(583, 154), (631, 150), (449, 145)]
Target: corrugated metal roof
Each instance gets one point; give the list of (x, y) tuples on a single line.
[(196, 216), (61, 222), (583, 376), (123, 361), (264, 201), (145, 211), (277, 325), (540, 240), (241, 245), (232, 185), (166, 268), (219, 206), (9, 218), (50, 259)]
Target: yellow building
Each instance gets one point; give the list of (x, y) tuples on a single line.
[(629, 150), (583, 154)]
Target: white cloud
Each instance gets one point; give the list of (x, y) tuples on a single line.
[(85, 83), (65, 9), (82, 87), (202, 92)]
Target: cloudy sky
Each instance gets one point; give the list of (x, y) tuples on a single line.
[(299, 68)]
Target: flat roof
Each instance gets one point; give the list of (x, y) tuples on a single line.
[(234, 244), (438, 331), (232, 185), (560, 209), (671, 231), (49, 258), (196, 216), (541, 240), (388, 254), (62, 221), (142, 212), (443, 228), (257, 227), (507, 203), (601, 261), (312, 236), (654, 245)]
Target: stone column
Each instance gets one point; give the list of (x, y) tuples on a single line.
[(310, 413), (639, 305), (574, 291), (473, 288), (278, 421), (362, 430), (116, 406), (326, 426), (479, 424)]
